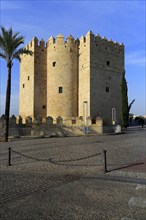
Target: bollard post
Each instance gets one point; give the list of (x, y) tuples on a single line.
[(9, 156), (104, 162)]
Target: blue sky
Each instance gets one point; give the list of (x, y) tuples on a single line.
[(122, 21)]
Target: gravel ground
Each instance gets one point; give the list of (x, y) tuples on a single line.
[(74, 155), (57, 178)]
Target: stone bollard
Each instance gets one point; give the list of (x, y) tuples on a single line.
[(118, 129)]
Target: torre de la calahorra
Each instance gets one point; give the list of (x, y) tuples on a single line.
[(72, 78)]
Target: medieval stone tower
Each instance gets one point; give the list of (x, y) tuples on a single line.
[(72, 78)]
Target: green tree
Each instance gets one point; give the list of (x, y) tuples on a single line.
[(124, 98), (130, 105), (9, 50)]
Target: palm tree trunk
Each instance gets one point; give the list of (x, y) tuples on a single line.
[(7, 106)]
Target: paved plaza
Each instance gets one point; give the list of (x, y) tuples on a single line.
[(62, 178)]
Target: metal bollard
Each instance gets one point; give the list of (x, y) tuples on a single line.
[(104, 162), (9, 156)]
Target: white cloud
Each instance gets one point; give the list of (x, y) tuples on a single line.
[(135, 58)]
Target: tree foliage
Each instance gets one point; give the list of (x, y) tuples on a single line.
[(130, 105), (125, 106), (9, 50), (124, 99)]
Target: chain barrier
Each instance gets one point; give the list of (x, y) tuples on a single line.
[(77, 159), (57, 162), (30, 157), (70, 160)]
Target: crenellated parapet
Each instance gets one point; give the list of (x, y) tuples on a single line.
[(102, 43), (35, 43), (72, 121), (60, 40), (96, 40), (51, 41)]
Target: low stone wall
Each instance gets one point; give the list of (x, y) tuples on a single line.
[(51, 127), (18, 131)]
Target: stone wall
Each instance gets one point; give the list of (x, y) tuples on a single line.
[(26, 100), (62, 77), (107, 67), (40, 80), (33, 81), (50, 127), (84, 76), (101, 65), (72, 78)]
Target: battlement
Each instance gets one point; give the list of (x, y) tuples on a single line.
[(100, 42), (59, 40), (35, 43), (95, 40)]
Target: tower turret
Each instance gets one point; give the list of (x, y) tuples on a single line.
[(34, 42), (33, 81), (60, 39), (62, 72), (50, 41), (42, 43), (70, 39)]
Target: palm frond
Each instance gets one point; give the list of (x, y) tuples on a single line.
[(16, 34), (21, 51), (2, 43), (16, 42), (3, 31), (17, 57), (25, 51), (2, 55), (10, 43), (5, 41), (2, 38)]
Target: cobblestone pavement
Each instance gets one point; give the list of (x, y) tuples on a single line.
[(78, 154), (87, 199), (19, 185), (54, 180)]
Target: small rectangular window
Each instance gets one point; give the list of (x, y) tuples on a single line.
[(43, 106), (107, 89), (28, 77), (54, 64), (23, 85), (108, 63), (60, 90), (73, 121)]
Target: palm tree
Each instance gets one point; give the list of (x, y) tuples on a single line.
[(9, 50)]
